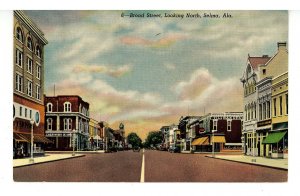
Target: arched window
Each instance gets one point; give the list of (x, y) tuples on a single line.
[(19, 34), (67, 124), (38, 51), (67, 107), (49, 107), (29, 43), (49, 123)]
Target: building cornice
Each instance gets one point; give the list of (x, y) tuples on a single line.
[(28, 22)]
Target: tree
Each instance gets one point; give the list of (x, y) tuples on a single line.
[(154, 138), (134, 139)]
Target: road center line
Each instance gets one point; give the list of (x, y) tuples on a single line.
[(143, 168)]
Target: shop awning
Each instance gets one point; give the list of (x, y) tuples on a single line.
[(200, 141), (18, 137), (274, 137), (27, 138), (218, 139)]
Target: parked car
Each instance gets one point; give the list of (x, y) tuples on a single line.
[(174, 149), (136, 149)]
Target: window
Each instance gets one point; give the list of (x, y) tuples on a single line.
[(229, 125), (274, 101), (49, 124), (21, 111), (38, 92), (67, 124), (287, 104), (280, 105), (19, 83), (260, 112), (264, 111), (29, 88), (38, 51), (49, 107), (30, 114), (38, 71), (25, 112), (67, 107), (264, 71), (215, 125), (19, 34), (29, 65), (19, 57), (29, 43), (268, 109)]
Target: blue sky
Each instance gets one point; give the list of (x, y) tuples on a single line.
[(147, 72)]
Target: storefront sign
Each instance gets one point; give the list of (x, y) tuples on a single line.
[(264, 123)]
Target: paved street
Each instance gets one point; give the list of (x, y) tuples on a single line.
[(159, 167)]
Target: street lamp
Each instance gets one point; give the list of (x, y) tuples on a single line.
[(213, 144), (31, 160), (73, 133)]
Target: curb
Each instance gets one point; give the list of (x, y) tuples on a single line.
[(31, 164), (273, 167)]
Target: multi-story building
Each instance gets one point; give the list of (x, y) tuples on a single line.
[(174, 136), (217, 132), (264, 119), (249, 79), (94, 131), (165, 134), (28, 99), (67, 119), (185, 134), (277, 69)]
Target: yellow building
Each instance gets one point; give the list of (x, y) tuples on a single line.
[(277, 69), (94, 131)]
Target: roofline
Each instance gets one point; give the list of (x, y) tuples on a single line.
[(29, 22)]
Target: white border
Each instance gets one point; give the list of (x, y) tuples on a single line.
[(6, 48)]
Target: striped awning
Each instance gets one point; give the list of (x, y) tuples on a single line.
[(23, 137), (200, 141), (274, 138)]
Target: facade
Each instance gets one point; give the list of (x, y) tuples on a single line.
[(249, 79), (185, 134), (67, 122), (217, 132), (174, 136), (165, 130), (94, 132), (277, 68), (28, 84), (264, 119)]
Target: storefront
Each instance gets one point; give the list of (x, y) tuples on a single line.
[(278, 144)]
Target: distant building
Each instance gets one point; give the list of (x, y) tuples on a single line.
[(28, 93), (217, 132), (185, 133), (94, 132), (67, 119), (165, 130)]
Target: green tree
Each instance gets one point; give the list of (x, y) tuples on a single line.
[(134, 139), (154, 138)]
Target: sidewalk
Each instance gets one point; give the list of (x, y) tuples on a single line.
[(43, 159), (77, 152), (262, 161)]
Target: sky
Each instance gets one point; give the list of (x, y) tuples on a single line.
[(147, 72)]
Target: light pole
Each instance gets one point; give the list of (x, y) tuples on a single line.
[(31, 160), (213, 144), (73, 133)]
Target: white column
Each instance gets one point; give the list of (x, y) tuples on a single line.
[(57, 123)]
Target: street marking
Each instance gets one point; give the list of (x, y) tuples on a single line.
[(143, 168)]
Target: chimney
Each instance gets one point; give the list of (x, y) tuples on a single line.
[(281, 45)]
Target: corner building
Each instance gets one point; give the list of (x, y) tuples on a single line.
[(28, 84), (67, 122)]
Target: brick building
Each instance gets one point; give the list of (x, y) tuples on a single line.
[(28, 84), (217, 132), (67, 119)]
